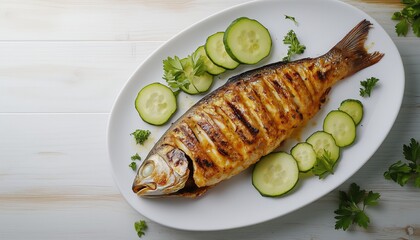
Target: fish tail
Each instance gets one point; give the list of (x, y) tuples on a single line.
[(353, 50)]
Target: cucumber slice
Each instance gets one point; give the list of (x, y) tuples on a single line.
[(304, 155), (211, 67), (275, 174), (354, 108), (190, 90), (203, 82), (247, 41), (198, 83), (341, 126), (216, 51), (322, 141), (155, 103)]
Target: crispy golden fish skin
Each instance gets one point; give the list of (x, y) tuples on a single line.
[(234, 126)]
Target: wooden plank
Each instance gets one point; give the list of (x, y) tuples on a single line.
[(114, 20), (56, 178), (66, 76)]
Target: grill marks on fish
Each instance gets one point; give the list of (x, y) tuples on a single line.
[(221, 132), (241, 125), (241, 114), (259, 113), (266, 101), (229, 130), (214, 133), (226, 129), (304, 87), (306, 79), (298, 88)]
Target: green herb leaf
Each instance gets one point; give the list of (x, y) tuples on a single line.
[(135, 157), (294, 45), (140, 227), (141, 135), (367, 86), (417, 181), (343, 197), (412, 151), (361, 219), (409, 15), (324, 166), (343, 220), (291, 18), (400, 172), (352, 206), (416, 26), (401, 28), (199, 68), (371, 199), (133, 166), (355, 194), (396, 16)]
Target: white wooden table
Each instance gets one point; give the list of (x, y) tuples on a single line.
[(62, 64)]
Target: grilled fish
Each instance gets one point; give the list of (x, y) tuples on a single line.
[(248, 117)]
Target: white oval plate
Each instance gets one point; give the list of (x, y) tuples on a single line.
[(321, 25)]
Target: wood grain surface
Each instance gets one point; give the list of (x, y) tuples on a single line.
[(62, 65)]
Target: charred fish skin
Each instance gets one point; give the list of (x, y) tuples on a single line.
[(234, 126)]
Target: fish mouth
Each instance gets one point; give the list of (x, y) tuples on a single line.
[(143, 188)]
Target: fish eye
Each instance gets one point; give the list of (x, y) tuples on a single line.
[(148, 169)]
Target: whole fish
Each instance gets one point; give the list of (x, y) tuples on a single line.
[(248, 117)]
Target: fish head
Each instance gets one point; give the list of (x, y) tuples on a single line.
[(163, 172)]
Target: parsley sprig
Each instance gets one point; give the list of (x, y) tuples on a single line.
[(173, 73), (352, 207), (409, 15), (133, 164), (135, 157), (141, 135), (324, 165), (175, 70), (400, 172), (293, 19), (294, 45), (367, 86), (140, 227)]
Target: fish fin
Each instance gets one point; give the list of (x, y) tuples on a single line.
[(352, 47)]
